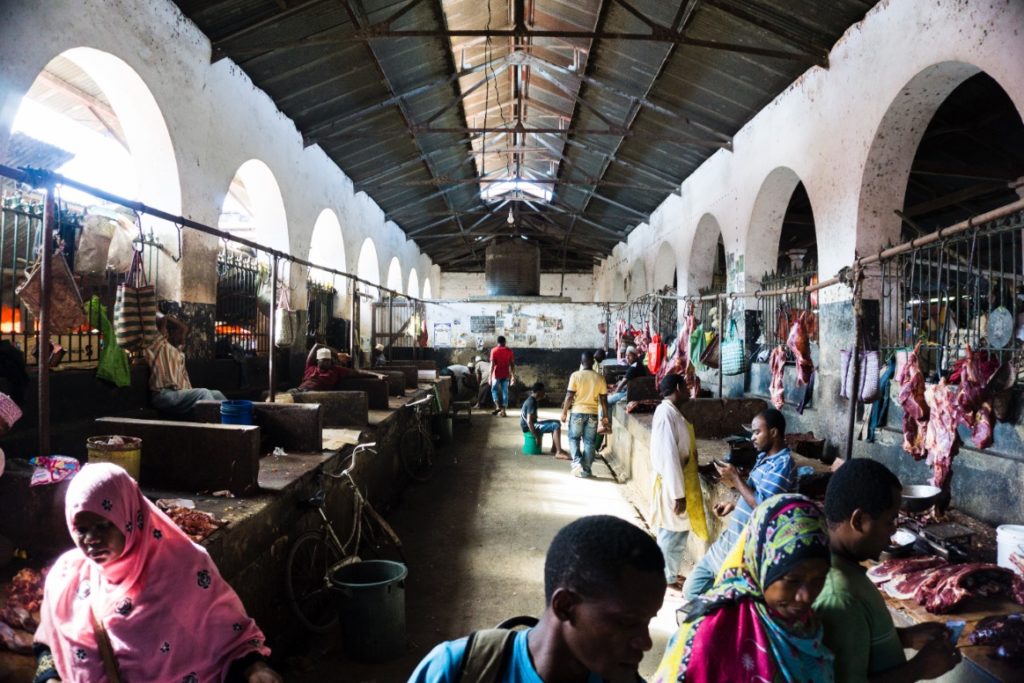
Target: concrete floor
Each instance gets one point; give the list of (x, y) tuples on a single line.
[(475, 538)]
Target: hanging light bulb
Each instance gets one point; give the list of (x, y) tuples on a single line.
[(511, 219)]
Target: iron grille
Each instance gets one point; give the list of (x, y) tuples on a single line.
[(966, 289), (777, 311), (320, 310), (243, 303)]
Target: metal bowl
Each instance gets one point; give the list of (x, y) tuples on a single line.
[(919, 497)]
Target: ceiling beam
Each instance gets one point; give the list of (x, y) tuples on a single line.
[(585, 182), (217, 43), (801, 42)]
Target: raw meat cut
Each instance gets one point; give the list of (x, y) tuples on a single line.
[(799, 343), (885, 571), (973, 399), (941, 442), (915, 409), (777, 366), (997, 629), (676, 365), (15, 640), (941, 587), (906, 586)]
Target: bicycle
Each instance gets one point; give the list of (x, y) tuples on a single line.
[(316, 555), (416, 446)]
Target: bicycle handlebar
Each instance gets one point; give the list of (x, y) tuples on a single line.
[(359, 448), (417, 402)]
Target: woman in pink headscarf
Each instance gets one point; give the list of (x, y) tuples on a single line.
[(137, 600)]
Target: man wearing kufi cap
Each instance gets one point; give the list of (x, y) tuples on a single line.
[(324, 370)]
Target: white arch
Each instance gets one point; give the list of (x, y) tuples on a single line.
[(368, 267), (414, 284), (256, 191), (327, 247), (894, 146), (703, 254), (153, 174), (665, 266), (426, 289), (637, 280), (765, 229), (395, 274)]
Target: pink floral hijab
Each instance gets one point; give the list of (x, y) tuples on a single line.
[(169, 614)]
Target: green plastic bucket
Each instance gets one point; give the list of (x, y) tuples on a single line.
[(370, 597), (530, 445)]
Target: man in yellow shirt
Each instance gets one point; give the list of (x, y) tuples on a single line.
[(585, 402)]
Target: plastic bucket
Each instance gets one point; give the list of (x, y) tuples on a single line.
[(370, 597), (530, 445), (125, 451), (236, 412), (1010, 541)]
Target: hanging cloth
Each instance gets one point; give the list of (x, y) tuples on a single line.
[(113, 364)]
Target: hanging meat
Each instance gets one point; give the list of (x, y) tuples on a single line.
[(777, 366), (915, 409), (620, 330), (941, 442), (676, 365), (799, 343), (973, 399), (692, 381)]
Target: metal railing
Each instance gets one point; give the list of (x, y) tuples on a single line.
[(782, 302), (965, 289), (243, 304)]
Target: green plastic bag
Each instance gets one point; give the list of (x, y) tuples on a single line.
[(698, 342), (113, 366)]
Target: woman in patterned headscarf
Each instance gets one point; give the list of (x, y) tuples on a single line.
[(756, 624), (137, 600)]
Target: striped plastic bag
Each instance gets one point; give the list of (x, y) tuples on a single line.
[(135, 309)]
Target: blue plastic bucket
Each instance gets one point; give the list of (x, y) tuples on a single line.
[(236, 412)]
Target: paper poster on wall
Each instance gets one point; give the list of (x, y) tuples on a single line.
[(442, 335), (481, 324)]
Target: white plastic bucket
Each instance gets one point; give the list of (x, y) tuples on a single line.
[(1010, 541)]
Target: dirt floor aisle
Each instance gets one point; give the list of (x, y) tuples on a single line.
[(475, 538)]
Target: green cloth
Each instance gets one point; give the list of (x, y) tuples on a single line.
[(113, 363), (858, 627)]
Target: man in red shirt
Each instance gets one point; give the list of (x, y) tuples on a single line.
[(503, 365), (324, 374)]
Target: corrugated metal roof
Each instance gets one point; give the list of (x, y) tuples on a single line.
[(364, 79)]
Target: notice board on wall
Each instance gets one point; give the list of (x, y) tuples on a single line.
[(481, 324)]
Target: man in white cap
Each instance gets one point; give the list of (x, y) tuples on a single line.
[(324, 371), (379, 359), (634, 368)]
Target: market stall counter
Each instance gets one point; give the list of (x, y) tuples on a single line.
[(987, 593)]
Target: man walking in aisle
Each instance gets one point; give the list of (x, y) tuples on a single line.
[(585, 401), (674, 461), (503, 365)]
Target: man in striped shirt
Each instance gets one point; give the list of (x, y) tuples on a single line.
[(168, 379), (773, 473)]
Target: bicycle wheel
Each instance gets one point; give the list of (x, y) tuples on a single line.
[(311, 557), (417, 454)]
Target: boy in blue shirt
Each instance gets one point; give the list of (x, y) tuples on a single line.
[(603, 583)]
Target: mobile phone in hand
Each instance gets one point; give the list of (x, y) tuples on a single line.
[(955, 628)]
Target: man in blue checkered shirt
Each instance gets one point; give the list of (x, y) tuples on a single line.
[(773, 473)]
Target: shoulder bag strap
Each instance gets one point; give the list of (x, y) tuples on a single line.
[(486, 656), (106, 649)]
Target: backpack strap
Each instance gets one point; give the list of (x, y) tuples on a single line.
[(487, 655)]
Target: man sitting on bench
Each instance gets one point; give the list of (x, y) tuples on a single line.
[(529, 423), (325, 370)]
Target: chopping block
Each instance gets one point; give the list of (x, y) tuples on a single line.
[(395, 380), (376, 390), (339, 408), (292, 426), (411, 372), (193, 456)]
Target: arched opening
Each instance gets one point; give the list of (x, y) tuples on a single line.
[(960, 156), (665, 274), (637, 280), (89, 116), (395, 274), (254, 210), (414, 284), (325, 291), (706, 268), (426, 289), (367, 268)]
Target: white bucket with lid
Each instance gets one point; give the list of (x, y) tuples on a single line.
[(1010, 541)]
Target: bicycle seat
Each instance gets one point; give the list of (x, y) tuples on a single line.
[(317, 501)]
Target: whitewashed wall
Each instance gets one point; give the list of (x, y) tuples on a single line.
[(576, 286), (534, 326)]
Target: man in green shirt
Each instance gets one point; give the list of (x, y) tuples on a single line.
[(861, 504)]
